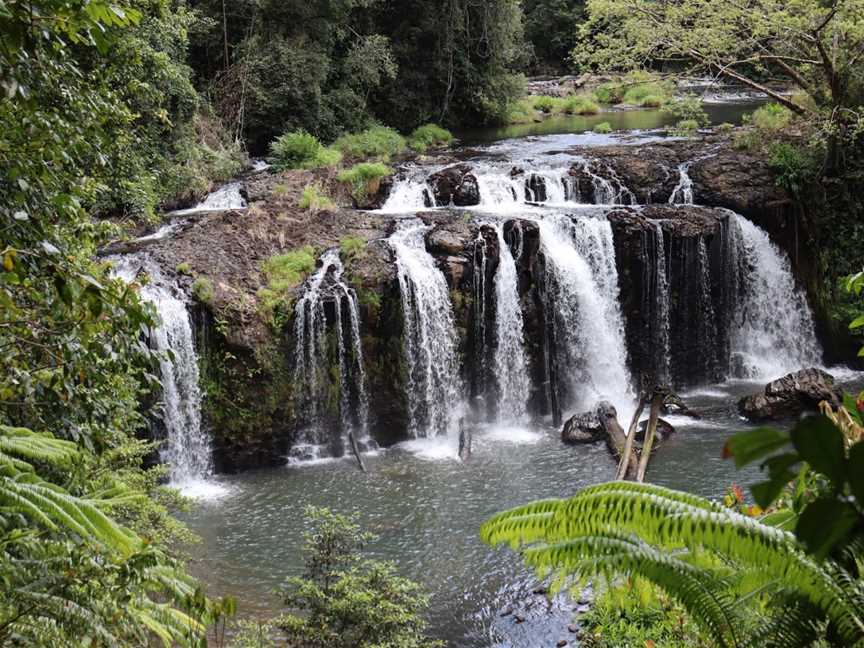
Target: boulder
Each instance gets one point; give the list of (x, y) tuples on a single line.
[(590, 426), (664, 430), (791, 395), (455, 185)]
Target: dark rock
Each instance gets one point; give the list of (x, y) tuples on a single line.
[(791, 395), (573, 628), (664, 430), (561, 643), (455, 185), (590, 426), (519, 618), (507, 612), (539, 590), (535, 188)]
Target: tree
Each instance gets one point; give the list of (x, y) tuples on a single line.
[(816, 47), (725, 568), (549, 27), (345, 600)]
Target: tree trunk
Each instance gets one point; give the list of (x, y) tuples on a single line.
[(627, 453), (617, 444), (645, 455), (356, 449)]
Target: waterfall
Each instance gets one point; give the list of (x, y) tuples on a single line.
[(656, 301), (606, 191), (429, 335), (510, 362), (187, 448), (587, 324), (409, 194), (223, 199), (683, 192), (312, 380), (773, 332)]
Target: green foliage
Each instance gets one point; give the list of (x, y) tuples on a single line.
[(707, 557), (687, 108), (429, 136), (649, 95), (364, 178), (315, 199), (725, 128), (795, 166), (580, 105), (203, 290), (378, 142), (771, 118), (603, 128), (686, 127), (183, 268), (520, 112), (283, 273), (549, 28), (300, 150), (352, 247), (546, 104), (346, 600), (610, 93)]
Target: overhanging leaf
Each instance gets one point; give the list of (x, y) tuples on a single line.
[(820, 444), (823, 524), (746, 447)]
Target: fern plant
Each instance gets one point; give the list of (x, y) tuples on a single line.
[(724, 568)]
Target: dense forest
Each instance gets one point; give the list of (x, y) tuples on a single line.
[(115, 113)]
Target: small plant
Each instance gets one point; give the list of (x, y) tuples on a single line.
[(609, 93), (725, 128), (649, 95), (521, 112), (546, 104), (580, 105), (352, 247), (300, 150), (429, 136), (378, 142), (603, 128), (315, 199), (202, 289), (183, 268), (283, 272), (686, 127), (794, 166), (364, 179), (687, 109), (771, 118)]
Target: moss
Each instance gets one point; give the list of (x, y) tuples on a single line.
[(283, 272), (202, 289), (371, 301)]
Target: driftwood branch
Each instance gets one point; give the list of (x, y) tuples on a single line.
[(627, 453), (656, 403)]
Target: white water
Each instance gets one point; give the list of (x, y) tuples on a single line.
[(409, 194), (433, 390), (511, 370), (659, 304), (773, 331), (311, 378), (683, 193), (583, 280), (225, 198), (187, 449)]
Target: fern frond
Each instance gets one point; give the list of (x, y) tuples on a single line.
[(32, 446)]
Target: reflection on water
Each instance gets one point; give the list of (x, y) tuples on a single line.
[(620, 120), (426, 509)]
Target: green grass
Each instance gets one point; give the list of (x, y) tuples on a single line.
[(521, 112), (609, 93), (352, 247), (300, 150), (648, 95), (579, 105), (603, 128), (183, 268), (771, 118), (686, 127), (547, 105), (315, 199), (202, 289), (429, 136), (364, 178), (283, 272), (725, 128), (378, 142)]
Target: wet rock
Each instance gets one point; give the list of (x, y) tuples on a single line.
[(791, 395), (535, 188), (651, 175), (562, 643), (664, 430), (519, 618), (573, 628), (590, 426), (455, 185), (507, 612)]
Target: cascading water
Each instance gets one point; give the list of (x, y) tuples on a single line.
[(223, 199), (409, 194), (311, 359), (187, 448), (588, 328), (773, 332), (683, 192), (655, 303), (510, 362), (433, 390)]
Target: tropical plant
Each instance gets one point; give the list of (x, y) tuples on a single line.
[(710, 558)]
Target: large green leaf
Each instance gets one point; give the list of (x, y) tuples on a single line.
[(821, 444), (751, 445), (825, 523), (855, 472)]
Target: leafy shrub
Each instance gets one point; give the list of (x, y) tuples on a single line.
[(520, 112), (315, 199), (430, 135), (364, 178), (300, 150), (609, 93), (183, 268), (771, 117), (377, 142), (686, 127), (648, 94), (603, 128), (202, 288), (546, 104), (687, 108), (580, 105), (283, 272), (725, 128), (352, 247), (795, 166)]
